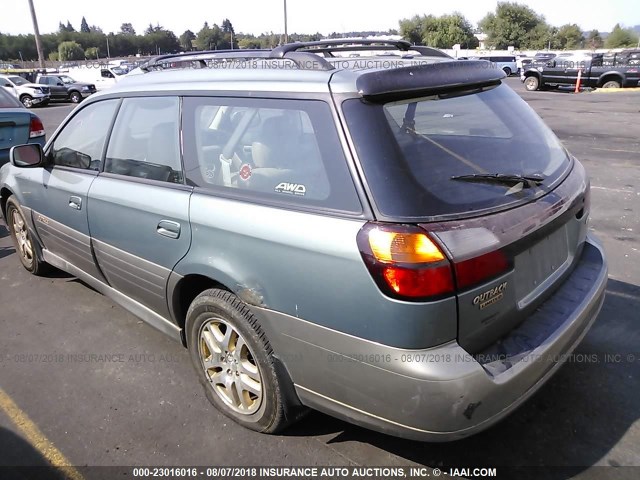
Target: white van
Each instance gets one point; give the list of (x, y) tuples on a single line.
[(101, 75)]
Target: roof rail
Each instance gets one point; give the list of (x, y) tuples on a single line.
[(355, 45), (303, 60)]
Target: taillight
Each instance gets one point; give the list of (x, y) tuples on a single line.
[(405, 262), (480, 269), (36, 128)]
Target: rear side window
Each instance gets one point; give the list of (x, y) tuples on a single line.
[(410, 150), (8, 101), (145, 142), (81, 141), (283, 150)]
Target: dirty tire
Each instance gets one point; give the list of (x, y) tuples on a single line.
[(26, 249), (75, 97), (611, 84), (531, 83), (234, 362), (507, 71)]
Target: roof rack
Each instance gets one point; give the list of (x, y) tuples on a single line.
[(327, 47), (303, 60)]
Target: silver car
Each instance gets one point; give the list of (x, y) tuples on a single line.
[(360, 241)]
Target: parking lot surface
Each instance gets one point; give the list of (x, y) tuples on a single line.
[(106, 389)]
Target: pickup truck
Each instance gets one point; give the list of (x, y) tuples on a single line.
[(63, 87), (598, 70)]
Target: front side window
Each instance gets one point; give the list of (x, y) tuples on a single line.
[(145, 141), (286, 150), (81, 141)]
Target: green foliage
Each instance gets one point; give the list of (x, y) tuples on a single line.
[(127, 29), (70, 51), (594, 40), (569, 37), (84, 26), (186, 40), (621, 37), (440, 32), (53, 56), (92, 52), (514, 25)]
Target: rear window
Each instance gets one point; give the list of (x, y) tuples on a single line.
[(410, 150)]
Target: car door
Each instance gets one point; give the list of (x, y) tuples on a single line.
[(554, 69), (139, 204), (58, 90), (57, 194)]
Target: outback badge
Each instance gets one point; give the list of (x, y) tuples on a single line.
[(491, 296)]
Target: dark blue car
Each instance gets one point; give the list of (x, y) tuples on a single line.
[(17, 126)]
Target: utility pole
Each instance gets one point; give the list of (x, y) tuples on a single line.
[(286, 36), (36, 31)]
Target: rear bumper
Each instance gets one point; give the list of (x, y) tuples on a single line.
[(441, 393)]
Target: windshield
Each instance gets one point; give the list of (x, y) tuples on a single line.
[(66, 79), (18, 80), (410, 150)]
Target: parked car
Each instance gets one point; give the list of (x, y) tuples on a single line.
[(362, 242), (506, 63), (30, 94), (594, 72), (63, 87), (102, 76), (17, 126)]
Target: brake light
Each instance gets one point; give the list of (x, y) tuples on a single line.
[(405, 262), (480, 269), (36, 128)]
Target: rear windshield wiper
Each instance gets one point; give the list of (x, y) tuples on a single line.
[(530, 180)]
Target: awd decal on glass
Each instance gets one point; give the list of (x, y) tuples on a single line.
[(291, 188), (245, 172)]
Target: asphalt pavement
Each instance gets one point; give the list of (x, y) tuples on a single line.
[(137, 401)]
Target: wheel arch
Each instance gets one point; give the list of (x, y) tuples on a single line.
[(183, 290), (608, 76), (5, 193)]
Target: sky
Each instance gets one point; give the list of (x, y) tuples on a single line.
[(304, 16)]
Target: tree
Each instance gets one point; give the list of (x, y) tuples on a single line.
[(210, 38), (91, 52), (569, 37), (127, 29), (594, 40), (227, 27), (621, 37), (439, 32), (512, 24), (449, 30), (186, 40), (84, 26), (69, 27), (411, 29), (70, 51)]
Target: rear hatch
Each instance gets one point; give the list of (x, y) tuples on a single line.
[(14, 122), (489, 183)]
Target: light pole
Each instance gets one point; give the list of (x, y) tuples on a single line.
[(37, 34), (286, 36)]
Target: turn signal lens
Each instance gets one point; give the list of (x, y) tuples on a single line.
[(391, 247), (405, 263)]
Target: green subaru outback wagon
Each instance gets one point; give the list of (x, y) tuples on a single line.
[(399, 241)]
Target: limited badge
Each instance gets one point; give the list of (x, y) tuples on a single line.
[(245, 172), (490, 297)]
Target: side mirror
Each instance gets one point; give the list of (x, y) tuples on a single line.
[(551, 63), (8, 85), (27, 156), (60, 84)]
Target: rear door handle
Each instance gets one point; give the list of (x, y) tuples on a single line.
[(75, 202), (169, 229)]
